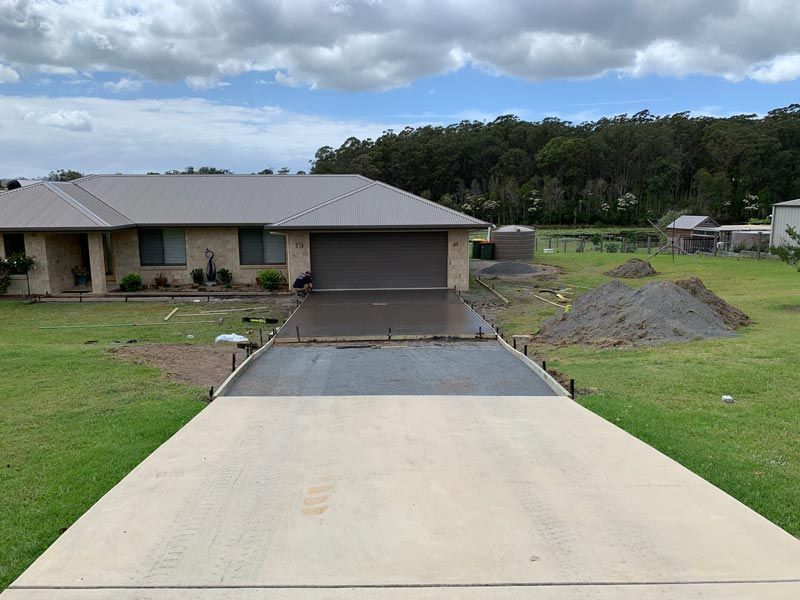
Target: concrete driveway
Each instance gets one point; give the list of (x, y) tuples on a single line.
[(407, 368), (408, 497), (371, 314)]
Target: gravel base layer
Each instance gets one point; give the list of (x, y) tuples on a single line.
[(615, 314)]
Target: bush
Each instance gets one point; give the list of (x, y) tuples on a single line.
[(597, 240), (225, 277), (132, 282), (5, 276), (631, 240), (198, 276), (270, 279), (612, 247), (20, 263)]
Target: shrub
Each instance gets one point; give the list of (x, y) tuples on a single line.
[(160, 280), (270, 279), (198, 276), (225, 277), (132, 282), (80, 271), (630, 241), (5, 276), (612, 247), (20, 263), (597, 240)]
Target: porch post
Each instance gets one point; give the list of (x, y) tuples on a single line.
[(97, 262)]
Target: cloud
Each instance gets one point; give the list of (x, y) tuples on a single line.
[(98, 135), (71, 120), (8, 75), (124, 85), (377, 45)]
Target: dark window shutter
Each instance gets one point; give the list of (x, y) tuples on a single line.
[(151, 247), (174, 246), (251, 246), (274, 248), (14, 243)]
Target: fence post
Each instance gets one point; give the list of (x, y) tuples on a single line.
[(648, 245), (758, 250)]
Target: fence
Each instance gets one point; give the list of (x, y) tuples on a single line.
[(604, 243)]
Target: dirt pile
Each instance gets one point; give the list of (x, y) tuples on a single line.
[(635, 268), (508, 268), (615, 314), (730, 315)]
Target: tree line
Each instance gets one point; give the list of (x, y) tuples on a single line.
[(614, 171)]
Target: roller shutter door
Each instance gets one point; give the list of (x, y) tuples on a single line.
[(379, 260)]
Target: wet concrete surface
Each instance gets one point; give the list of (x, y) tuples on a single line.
[(371, 314), (424, 368)]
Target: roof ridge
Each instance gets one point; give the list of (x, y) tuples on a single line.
[(324, 204), (30, 185), (102, 202), (75, 204)]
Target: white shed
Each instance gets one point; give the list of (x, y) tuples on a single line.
[(784, 214)]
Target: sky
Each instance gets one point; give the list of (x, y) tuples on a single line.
[(149, 85)]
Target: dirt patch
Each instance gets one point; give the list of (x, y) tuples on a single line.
[(730, 315), (508, 268), (205, 366), (635, 268), (615, 314)]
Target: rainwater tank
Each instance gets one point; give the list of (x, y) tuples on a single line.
[(513, 242)]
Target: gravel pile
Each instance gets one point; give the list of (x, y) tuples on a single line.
[(615, 314), (508, 268), (730, 315), (635, 268)]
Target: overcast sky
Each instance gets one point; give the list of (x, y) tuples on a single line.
[(134, 86)]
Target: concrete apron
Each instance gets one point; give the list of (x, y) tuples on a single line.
[(405, 497)]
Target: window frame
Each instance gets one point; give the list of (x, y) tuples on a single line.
[(263, 239), (18, 236), (163, 262)]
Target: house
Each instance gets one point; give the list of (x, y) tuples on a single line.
[(353, 232), (688, 233), (784, 214)]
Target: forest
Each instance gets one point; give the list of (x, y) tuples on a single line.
[(622, 170)]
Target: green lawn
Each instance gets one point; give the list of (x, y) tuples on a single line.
[(669, 396), (74, 420)]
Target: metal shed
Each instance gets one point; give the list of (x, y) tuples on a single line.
[(784, 214), (514, 242)]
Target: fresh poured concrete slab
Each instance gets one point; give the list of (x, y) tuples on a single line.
[(404, 368), (370, 314), (398, 497)]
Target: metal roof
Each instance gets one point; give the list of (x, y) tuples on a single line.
[(689, 221), (44, 205), (378, 205), (215, 199), (788, 203), (296, 201)]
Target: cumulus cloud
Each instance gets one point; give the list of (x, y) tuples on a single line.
[(144, 135), (124, 85), (378, 45), (8, 75), (71, 120)]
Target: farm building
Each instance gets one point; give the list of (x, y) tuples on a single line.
[(784, 214), (352, 232), (689, 232)]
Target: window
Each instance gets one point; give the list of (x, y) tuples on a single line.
[(260, 247), (13, 243), (162, 247)]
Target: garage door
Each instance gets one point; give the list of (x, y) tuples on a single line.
[(353, 261)]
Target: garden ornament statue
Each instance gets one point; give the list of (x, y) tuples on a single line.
[(211, 268)]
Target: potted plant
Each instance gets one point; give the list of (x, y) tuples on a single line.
[(160, 281), (81, 274)]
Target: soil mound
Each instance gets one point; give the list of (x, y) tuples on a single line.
[(615, 314), (635, 268), (508, 268), (730, 315)]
